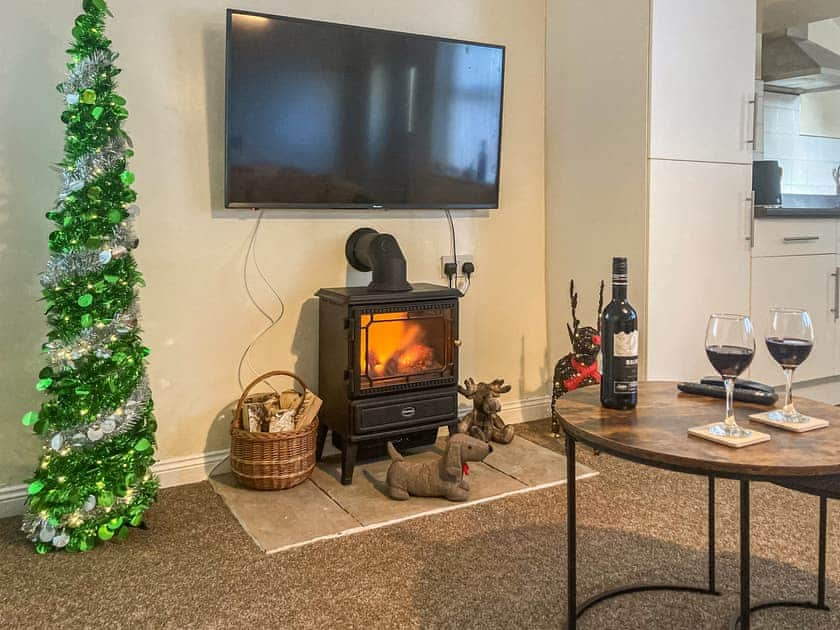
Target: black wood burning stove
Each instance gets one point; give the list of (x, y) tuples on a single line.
[(388, 366)]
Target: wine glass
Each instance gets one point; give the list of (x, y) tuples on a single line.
[(789, 340), (730, 346)]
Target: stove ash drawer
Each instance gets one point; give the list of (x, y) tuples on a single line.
[(394, 412)]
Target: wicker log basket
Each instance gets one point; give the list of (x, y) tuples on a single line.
[(271, 461)]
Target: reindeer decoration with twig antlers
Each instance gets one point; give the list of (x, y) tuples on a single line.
[(483, 422), (579, 368)]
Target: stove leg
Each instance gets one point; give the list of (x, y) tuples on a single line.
[(320, 441), (453, 428), (348, 461)]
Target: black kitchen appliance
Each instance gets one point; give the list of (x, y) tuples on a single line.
[(767, 183)]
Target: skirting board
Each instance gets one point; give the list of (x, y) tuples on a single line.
[(178, 471)]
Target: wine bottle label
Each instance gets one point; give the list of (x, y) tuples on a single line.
[(626, 344), (625, 362)]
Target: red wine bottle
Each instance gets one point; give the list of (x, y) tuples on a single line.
[(619, 345)]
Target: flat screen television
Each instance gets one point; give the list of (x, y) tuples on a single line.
[(322, 115)]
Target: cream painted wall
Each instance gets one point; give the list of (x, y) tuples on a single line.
[(596, 153), (820, 112), (196, 315)]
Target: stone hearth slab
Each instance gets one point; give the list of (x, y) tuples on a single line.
[(367, 499), (322, 508), (284, 518), (529, 465)]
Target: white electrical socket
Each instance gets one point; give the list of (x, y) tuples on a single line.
[(462, 258)]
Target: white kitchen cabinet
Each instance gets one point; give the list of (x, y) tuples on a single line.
[(702, 80), (698, 260), (797, 282)]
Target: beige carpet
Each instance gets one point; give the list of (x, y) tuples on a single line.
[(493, 565), (321, 507)]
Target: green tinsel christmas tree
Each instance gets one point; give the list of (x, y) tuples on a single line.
[(94, 481)]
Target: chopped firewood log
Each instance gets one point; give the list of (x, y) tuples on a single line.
[(308, 410), (290, 399), (282, 421)]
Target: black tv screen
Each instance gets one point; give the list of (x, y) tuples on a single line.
[(322, 115)]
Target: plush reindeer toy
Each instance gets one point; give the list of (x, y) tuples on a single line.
[(579, 368)]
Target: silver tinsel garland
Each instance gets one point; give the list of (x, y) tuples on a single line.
[(105, 426), (90, 166), (83, 74), (95, 340), (84, 261)]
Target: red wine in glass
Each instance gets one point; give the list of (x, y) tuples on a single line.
[(787, 352), (730, 361), (730, 346), (789, 339)]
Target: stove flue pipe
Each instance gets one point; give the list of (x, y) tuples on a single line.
[(368, 250)]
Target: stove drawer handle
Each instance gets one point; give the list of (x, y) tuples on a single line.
[(408, 412)]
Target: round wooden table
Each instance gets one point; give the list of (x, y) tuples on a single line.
[(656, 434)]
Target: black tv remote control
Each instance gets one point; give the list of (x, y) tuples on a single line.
[(739, 384), (740, 394)]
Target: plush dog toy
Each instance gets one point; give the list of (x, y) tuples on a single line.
[(484, 421), (443, 477)]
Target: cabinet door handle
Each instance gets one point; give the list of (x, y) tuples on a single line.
[(800, 239), (836, 309), (754, 103), (751, 235)]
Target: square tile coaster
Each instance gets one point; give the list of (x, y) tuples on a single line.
[(796, 427), (755, 437)]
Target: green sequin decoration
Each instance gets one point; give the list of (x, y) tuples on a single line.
[(29, 418)]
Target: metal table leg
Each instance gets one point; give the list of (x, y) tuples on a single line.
[(822, 551), (571, 536), (745, 555), (573, 611), (818, 605), (711, 534)]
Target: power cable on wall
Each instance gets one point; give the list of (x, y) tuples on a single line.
[(466, 285), (251, 254)]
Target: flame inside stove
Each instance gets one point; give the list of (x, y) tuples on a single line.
[(394, 345)]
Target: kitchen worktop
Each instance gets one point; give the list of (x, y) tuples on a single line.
[(804, 206)]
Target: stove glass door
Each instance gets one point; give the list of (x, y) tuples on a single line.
[(406, 347)]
